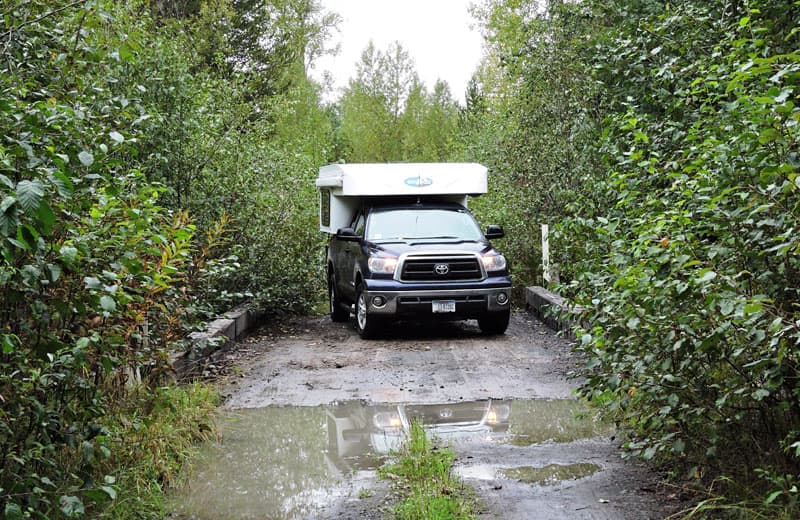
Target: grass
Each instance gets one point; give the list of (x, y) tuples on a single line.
[(422, 476), (743, 497), (154, 433)]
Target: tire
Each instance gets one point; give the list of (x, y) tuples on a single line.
[(494, 322), (339, 312), (367, 326)]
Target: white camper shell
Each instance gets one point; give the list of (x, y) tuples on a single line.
[(343, 185)]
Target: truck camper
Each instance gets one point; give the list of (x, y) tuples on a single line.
[(403, 245)]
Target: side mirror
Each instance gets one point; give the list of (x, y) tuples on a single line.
[(494, 232), (347, 234)]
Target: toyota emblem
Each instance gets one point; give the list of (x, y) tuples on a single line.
[(441, 269)]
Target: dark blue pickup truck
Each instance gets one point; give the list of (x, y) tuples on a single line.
[(417, 258)]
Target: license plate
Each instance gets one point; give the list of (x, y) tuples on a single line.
[(444, 306)]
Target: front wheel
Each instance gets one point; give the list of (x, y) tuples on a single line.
[(494, 322), (367, 326)]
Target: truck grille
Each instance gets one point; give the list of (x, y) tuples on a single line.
[(440, 268)]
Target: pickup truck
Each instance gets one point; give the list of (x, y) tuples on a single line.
[(409, 258)]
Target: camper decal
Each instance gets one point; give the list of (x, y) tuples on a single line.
[(419, 182)]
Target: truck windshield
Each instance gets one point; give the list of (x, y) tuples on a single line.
[(405, 224)]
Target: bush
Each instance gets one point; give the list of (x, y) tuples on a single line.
[(93, 271), (660, 142), (690, 276)]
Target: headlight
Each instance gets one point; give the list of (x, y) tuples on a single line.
[(493, 261), (382, 265), (386, 420), (498, 414)]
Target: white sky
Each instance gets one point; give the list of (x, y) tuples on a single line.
[(437, 34)]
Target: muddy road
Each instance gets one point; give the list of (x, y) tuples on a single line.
[(312, 411)]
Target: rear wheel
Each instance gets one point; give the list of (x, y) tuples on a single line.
[(338, 311), (367, 326), (494, 322)]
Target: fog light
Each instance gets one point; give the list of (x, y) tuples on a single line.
[(502, 298), (378, 301)]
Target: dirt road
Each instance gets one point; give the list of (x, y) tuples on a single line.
[(304, 429)]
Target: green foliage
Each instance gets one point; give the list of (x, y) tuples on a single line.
[(429, 125), (153, 435), (110, 129), (90, 264), (661, 140), (221, 147), (697, 253), (271, 41), (422, 475), (530, 119), (276, 232), (387, 114), (685, 253)]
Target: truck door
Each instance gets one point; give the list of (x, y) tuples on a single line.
[(348, 259)]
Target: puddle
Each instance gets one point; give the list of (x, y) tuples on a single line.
[(271, 463), (557, 420), (292, 462), (549, 475)]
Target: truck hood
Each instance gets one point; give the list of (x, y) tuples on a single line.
[(428, 245)]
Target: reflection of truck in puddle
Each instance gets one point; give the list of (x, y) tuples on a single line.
[(359, 435)]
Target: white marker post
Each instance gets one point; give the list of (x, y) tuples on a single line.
[(546, 254)]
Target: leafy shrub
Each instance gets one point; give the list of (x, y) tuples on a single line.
[(92, 269), (142, 187), (660, 141), (690, 275), (529, 118)]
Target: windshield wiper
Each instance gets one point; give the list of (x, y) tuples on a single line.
[(450, 240), (390, 241)]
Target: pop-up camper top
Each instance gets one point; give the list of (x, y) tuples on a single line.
[(344, 186)]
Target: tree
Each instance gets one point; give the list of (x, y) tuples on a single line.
[(365, 114), (272, 42), (429, 124), (398, 78), (529, 118), (388, 115)]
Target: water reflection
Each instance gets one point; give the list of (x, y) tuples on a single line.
[(557, 420), (269, 464), (360, 435), (289, 462), (549, 475)]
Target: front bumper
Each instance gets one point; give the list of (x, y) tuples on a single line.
[(416, 300)]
